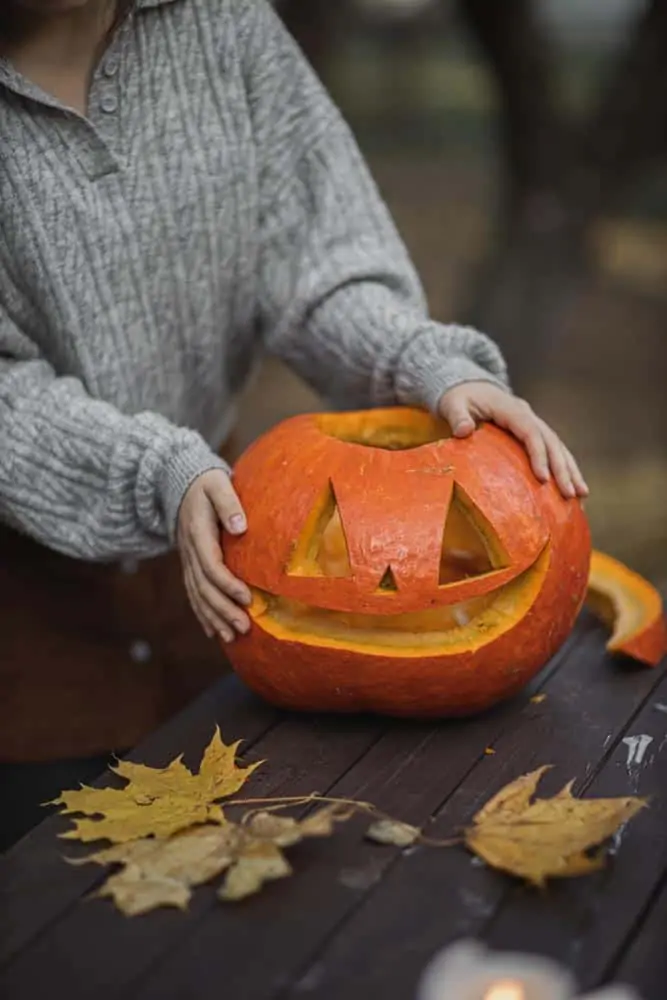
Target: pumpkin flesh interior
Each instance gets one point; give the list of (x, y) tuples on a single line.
[(409, 429), (450, 629), (622, 599)]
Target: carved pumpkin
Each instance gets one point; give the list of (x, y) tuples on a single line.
[(397, 569)]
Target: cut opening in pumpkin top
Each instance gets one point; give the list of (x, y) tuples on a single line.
[(374, 429)]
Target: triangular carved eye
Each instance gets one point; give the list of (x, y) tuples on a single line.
[(387, 584), (469, 544), (322, 548)]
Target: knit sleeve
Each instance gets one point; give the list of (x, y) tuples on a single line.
[(79, 476), (338, 296)]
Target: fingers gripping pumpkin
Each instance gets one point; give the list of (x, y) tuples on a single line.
[(396, 569)]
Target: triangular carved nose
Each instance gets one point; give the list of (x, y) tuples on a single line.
[(387, 584)]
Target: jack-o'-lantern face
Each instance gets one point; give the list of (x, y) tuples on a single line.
[(377, 536)]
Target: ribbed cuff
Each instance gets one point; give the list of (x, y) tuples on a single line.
[(440, 358), (185, 463)]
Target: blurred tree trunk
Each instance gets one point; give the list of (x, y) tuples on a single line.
[(559, 173), (312, 23)]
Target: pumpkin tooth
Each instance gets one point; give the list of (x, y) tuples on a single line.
[(460, 616), (259, 605)]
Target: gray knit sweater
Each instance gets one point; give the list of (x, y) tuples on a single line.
[(212, 206)]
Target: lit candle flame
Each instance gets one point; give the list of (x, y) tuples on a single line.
[(508, 989)]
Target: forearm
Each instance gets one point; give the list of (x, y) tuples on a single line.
[(355, 322), (82, 478)]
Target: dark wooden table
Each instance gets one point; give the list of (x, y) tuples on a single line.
[(359, 920)]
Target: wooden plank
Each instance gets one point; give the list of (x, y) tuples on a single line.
[(644, 964), (408, 773), (92, 950), (585, 923), (430, 898), (163, 929), (36, 886)]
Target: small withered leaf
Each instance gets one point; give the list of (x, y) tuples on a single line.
[(389, 831)]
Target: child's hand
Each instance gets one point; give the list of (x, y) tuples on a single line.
[(465, 405), (216, 596)]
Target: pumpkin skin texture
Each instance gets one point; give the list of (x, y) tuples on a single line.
[(398, 570)]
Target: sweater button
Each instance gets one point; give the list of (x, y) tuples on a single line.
[(109, 104), (140, 651), (110, 67)]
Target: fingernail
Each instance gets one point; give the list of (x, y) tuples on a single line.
[(227, 637), (244, 597), (241, 627), (237, 524)]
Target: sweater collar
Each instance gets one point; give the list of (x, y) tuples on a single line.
[(14, 81)]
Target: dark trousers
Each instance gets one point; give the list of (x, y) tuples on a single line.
[(24, 787)]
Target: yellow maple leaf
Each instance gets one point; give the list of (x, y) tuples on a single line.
[(545, 838), (163, 871), (156, 801)]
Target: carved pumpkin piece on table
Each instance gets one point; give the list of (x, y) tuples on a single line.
[(631, 607), (397, 569)]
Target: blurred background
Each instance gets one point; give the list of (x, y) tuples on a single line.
[(521, 146)]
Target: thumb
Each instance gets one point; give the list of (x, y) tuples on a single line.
[(227, 505), (456, 411)]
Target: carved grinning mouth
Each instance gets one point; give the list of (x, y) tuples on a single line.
[(468, 624), (467, 553)]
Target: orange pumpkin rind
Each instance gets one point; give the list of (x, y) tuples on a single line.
[(630, 606)]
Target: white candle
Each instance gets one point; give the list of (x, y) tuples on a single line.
[(506, 989), (468, 971)]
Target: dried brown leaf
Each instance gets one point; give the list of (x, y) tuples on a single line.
[(536, 840), (158, 872), (282, 831), (260, 861), (156, 801), (285, 831)]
